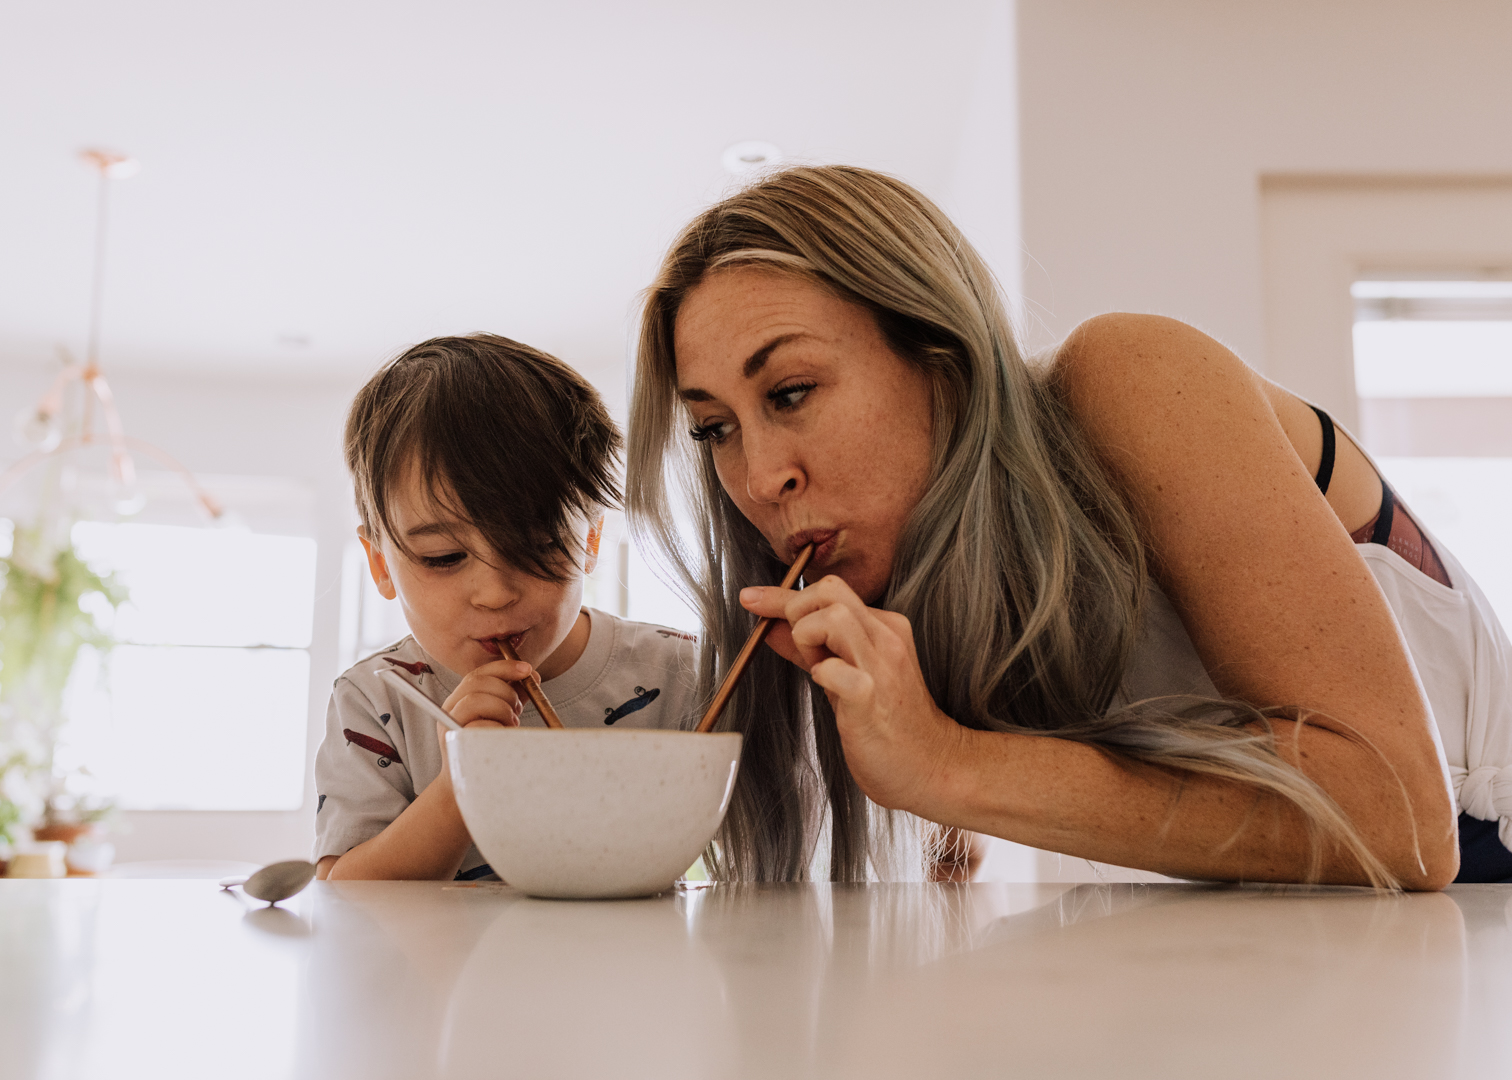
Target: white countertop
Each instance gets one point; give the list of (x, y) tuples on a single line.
[(167, 979)]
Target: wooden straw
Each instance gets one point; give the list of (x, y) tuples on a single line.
[(537, 698), (758, 635)]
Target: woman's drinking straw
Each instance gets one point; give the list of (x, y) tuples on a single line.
[(532, 688), (758, 635)]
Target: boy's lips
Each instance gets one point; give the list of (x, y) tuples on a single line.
[(491, 644)]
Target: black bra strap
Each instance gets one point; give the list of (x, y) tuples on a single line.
[(1382, 534), (1325, 467)]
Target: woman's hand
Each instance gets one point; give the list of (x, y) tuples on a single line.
[(898, 744)]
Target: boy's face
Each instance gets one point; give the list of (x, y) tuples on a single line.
[(456, 604)]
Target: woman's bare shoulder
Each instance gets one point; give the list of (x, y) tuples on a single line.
[(1110, 357), (1134, 382)]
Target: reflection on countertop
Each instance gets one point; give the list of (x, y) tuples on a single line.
[(412, 980)]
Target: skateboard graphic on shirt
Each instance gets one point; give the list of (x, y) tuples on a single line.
[(419, 667), (387, 755), (641, 699)]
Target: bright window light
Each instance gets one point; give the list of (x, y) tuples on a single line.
[(191, 728), (206, 586), (1450, 496), (1433, 338), (205, 704), (1433, 358), (1436, 289)]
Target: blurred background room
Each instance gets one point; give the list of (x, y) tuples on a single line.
[(217, 220)]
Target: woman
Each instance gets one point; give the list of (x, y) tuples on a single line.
[(1110, 607)]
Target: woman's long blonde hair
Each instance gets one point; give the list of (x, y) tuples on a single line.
[(1021, 568)]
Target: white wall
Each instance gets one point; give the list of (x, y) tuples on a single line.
[(1146, 129)]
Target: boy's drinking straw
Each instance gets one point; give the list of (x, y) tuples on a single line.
[(758, 635), (537, 698), (409, 690)]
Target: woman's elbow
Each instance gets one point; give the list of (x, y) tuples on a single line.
[(1427, 859), (1434, 867)]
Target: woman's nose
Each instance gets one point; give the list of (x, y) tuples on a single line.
[(773, 472)]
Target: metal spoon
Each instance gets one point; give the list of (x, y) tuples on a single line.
[(279, 881)]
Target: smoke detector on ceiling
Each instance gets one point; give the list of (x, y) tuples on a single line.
[(749, 158)]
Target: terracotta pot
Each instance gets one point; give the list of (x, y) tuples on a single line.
[(56, 831)]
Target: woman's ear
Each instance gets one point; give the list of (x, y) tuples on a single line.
[(595, 534), (377, 565)]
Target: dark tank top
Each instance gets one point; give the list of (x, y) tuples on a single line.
[(1392, 527)]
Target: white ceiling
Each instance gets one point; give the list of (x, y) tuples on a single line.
[(364, 175)]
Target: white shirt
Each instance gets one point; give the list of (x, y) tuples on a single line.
[(1458, 650)]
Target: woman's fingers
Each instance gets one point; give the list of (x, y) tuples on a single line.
[(836, 630), (780, 640), (844, 681), (866, 661), (772, 602), (767, 601)]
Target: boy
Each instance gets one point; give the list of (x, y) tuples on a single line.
[(481, 469)]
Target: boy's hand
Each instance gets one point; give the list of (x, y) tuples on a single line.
[(486, 694)]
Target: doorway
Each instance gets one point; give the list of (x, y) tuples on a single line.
[(1389, 303)]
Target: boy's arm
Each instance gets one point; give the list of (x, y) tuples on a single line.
[(399, 838), (369, 822), (426, 842)]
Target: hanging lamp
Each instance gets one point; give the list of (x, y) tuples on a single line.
[(43, 426)]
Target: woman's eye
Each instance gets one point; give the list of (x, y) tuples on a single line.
[(717, 432), (788, 397), (442, 562)]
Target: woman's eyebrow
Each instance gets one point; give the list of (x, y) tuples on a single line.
[(750, 369), (758, 359)]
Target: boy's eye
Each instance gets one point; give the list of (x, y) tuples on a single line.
[(788, 397), (441, 562), (717, 432)]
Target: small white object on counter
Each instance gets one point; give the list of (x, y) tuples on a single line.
[(39, 859), (592, 814)]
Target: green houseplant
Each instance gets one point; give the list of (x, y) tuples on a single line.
[(45, 619)]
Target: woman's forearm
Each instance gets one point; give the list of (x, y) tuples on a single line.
[(1076, 799), (426, 842)]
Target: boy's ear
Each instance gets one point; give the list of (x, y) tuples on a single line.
[(595, 534), (377, 565)]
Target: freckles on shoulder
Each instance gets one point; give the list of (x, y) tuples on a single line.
[(1121, 373)]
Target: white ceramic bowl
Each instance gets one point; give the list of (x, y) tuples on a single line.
[(592, 814)]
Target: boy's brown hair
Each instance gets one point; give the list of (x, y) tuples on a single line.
[(503, 436)]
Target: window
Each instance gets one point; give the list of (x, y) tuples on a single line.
[(205, 703), (1433, 339), (1433, 368)]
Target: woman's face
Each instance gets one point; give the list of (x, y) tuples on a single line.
[(819, 431)]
